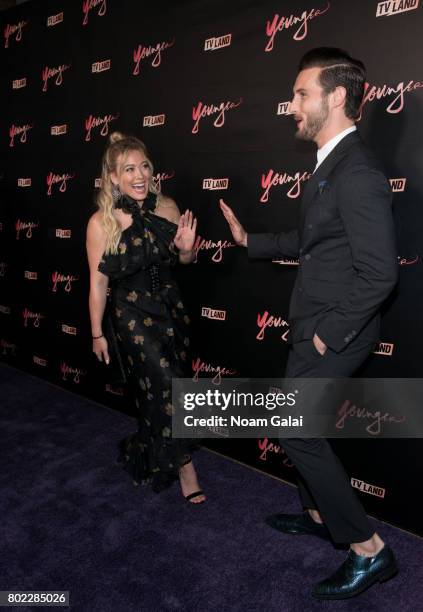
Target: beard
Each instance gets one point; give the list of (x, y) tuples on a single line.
[(314, 122)]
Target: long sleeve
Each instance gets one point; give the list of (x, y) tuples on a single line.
[(268, 245)]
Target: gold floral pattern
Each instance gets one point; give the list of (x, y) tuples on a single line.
[(169, 409), (132, 297)]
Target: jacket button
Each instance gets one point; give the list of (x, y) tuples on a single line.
[(310, 226), (307, 257)]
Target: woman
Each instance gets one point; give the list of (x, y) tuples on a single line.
[(133, 240)]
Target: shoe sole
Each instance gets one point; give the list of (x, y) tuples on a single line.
[(384, 577)]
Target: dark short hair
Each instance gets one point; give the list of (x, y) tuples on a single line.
[(338, 69)]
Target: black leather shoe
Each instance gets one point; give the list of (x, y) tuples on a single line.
[(297, 524), (357, 574)]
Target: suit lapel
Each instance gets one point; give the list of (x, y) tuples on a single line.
[(324, 170)]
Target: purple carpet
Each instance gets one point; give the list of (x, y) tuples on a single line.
[(72, 520)]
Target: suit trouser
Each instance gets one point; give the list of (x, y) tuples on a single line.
[(323, 483)]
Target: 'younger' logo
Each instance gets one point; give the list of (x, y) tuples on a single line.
[(94, 122), (74, 373), (272, 179), (199, 366), (266, 320), (24, 225), (65, 280), (205, 110), (89, 5), (153, 51), (162, 176), (56, 73), (17, 130), (201, 244), (13, 30), (61, 179), (396, 105), (35, 317), (278, 24)]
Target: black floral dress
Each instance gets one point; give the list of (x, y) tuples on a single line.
[(151, 326)]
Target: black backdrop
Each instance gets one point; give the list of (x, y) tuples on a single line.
[(205, 84)]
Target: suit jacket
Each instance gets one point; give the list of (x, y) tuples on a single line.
[(346, 247)]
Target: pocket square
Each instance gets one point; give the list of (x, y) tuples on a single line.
[(322, 186)]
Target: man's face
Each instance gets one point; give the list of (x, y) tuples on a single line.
[(309, 105)]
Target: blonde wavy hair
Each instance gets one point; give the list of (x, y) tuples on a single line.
[(119, 147)]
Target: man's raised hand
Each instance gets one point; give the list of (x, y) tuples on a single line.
[(239, 234)]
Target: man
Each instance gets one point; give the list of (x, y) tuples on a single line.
[(348, 266)]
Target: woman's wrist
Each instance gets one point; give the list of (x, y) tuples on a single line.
[(97, 336)]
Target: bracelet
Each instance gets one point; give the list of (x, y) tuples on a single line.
[(97, 337)]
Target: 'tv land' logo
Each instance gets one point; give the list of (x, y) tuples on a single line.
[(394, 7), (212, 313), (212, 44), (398, 184), (367, 488), (213, 184), (384, 348)]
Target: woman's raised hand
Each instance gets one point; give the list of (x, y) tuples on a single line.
[(185, 234)]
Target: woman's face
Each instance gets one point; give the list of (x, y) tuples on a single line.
[(133, 175)]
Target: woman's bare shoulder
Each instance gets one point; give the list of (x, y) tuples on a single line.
[(168, 208)]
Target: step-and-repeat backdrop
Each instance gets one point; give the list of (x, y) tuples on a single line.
[(206, 85)]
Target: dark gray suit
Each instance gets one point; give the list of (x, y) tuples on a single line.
[(348, 266)]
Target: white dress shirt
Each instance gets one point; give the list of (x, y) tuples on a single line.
[(331, 144)]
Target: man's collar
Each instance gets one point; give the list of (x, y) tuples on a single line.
[(331, 144)]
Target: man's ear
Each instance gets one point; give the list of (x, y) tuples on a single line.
[(339, 96)]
